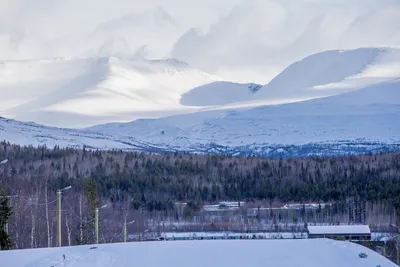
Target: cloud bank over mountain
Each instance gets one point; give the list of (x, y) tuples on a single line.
[(246, 41)]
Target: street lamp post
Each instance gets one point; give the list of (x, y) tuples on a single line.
[(124, 234), (59, 191), (97, 222)]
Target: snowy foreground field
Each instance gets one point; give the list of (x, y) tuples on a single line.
[(250, 253)]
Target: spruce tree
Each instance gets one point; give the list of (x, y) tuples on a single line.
[(91, 193), (5, 214)]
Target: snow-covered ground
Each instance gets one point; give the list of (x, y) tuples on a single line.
[(229, 253)]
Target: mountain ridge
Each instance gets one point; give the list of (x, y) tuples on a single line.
[(327, 126), (96, 89), (352, 111)]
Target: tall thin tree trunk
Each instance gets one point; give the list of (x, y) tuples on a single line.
[(33, 220), (47, 215), (67, 225), (52, 232), (33, 226), (80, 218)]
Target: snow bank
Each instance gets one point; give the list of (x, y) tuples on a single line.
[(229, 253)]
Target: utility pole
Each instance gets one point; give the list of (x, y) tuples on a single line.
[(96, 221), (124, 234), (59, 217), (124, 230), (59, 191)]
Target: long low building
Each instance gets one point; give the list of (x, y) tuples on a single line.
[(347, 232), (230, 235)]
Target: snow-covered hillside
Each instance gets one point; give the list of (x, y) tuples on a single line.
[(220, 93), (348, 123), (319, 75), (29, 133), (85, 92), (229, 253), (324, 74), (334, 72), (354, 122), (358, 115), (77, 92)]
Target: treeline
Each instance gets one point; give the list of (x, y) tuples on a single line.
[(133, 183), (206, 178)]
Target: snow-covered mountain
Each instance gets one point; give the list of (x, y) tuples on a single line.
[(77, 92), (232, 253), (353, 106), (85, 92), (354, 122), (324, 74), (333, 72)]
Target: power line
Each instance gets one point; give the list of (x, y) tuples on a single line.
[(79, 218), (29, 201)]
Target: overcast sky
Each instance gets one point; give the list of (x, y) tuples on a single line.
[(244, 40)]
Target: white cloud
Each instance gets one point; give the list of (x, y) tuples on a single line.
[(240, 39), (265, 36)]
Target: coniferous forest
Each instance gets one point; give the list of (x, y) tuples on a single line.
[(158, 189)]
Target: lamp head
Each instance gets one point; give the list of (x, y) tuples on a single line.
[(67, 188)]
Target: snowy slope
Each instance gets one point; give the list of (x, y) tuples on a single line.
[(359, 117), (354, 122), (232, 253), (94, 90), (26, 133), (319, 75), (356, 117), (334, 72), (83, 92), (220, 93)]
